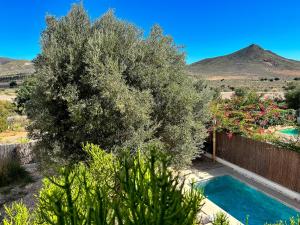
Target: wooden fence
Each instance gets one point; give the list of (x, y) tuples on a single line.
[(276, 164)]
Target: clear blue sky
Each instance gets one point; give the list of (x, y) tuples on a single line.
[(206, 28)]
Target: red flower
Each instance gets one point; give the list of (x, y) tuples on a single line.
[(263, 123), (229, 135), (263, 112)]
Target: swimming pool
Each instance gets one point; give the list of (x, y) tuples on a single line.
[(240, 200), (290, 131)]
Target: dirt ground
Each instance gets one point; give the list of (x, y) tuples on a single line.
[(22, 192), (9, 137)]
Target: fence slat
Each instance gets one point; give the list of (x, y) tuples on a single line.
[(276, 164)]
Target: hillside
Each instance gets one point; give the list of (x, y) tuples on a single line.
[(252, 62), (13, 67)]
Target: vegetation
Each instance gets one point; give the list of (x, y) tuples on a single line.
[(251, 115), (12, 126), (131, 189), (102, 82), (24, 93), (12, 172), (5, 109), (13, 84), (221, 219), (253, 64), (292, 221), (293, 96), (248, 113)]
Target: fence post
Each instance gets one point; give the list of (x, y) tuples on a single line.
[(214, 139)]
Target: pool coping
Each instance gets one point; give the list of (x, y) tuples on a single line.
[(203, 170), (209, 208), (262, 180)]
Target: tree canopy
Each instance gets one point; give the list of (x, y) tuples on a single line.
[(103, 82)]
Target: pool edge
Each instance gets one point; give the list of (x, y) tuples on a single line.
[(263, 181)]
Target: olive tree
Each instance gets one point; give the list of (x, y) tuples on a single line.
[(103, 82)]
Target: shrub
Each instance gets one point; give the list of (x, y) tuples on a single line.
[(276, 78), (132, 189), (113, 87), (293, 97), (240, 92), (5, 109), (220, 219), (17, 214), (24, 93), (292, 221), (12, 172), (13, 84), (290, 86), (231, 88), (251, 114)]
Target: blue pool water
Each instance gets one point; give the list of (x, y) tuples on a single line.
[(290, 131), (240, 200)]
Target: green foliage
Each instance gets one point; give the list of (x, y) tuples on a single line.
[(6, 108), (104, 83), (293, 97), (131, 189), (240, 92), (251, 114), (221, 219), (24, 93), (17, 214), (292, 221), (11, 172), (291, 86)]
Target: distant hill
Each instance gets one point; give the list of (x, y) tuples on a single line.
[(13, 67), (247, 63)]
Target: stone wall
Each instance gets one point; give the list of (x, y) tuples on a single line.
[(21, 152)]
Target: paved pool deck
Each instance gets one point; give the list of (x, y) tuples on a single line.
[(204, 169)]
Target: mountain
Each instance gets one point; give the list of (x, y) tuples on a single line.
[(250, 62), (12, 66)]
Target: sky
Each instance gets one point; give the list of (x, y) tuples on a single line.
[(206, 28)]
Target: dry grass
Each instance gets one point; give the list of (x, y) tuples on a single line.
[(8, 94), (9, 137), (16, 133)]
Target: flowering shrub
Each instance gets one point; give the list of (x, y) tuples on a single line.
[(251, 114)]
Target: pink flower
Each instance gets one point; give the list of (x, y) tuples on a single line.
[(229, 135)]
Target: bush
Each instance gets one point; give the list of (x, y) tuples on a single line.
[(240, 92), (290, 86), (131, 189), (113, 87), (292, 221), (24, 93), (276, 78), (251, 114), (18, 214), (5, 109), (293, 97), (12, 172), (220, 219), (13, 84)]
